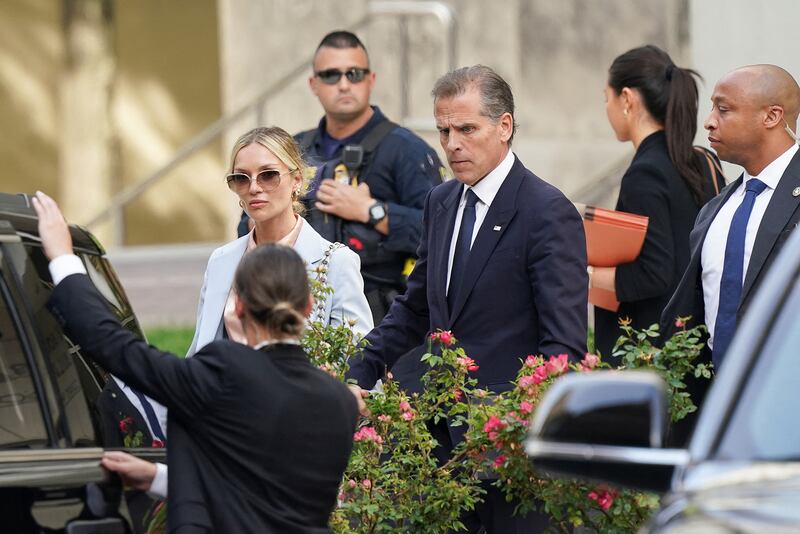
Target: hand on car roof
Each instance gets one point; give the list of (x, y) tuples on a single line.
[(53, 229)]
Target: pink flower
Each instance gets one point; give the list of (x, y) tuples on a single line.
[(384, 418), (499, 461), (367, 433), (405, 406), (679, 323), (590, 361), (445, 338), (603, 497), (525, 407), (493, 424), (558, 364), (526, 382), (351, 483), (407, 416), (531, 361), (125, 424), (457, 394), (467, 363), (540, 374), (367, 483)]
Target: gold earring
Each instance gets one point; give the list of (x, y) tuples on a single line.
[(241, 204), (295, 194), (625, 111)]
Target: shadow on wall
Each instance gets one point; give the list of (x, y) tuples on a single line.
[(30, 57)]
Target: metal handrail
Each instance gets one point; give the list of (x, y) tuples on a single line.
[(402, 8)]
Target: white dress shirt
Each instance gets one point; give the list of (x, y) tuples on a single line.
[(713, 254), (485, 190)]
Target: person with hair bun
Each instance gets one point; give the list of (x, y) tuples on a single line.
[(259, 437), (652, 103), (267, 174)]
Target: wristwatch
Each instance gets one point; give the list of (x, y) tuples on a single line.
[(377, 212)]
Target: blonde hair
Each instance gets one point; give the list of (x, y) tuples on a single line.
[(283, 146)]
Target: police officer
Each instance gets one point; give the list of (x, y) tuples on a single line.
[(371, 176)]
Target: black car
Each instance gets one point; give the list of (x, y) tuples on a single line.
[(52, 431), (741, 471)]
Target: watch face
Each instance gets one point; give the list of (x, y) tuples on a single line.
[(377, 212)]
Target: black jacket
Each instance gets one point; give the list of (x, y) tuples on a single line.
[(652, 187), (258, 441)]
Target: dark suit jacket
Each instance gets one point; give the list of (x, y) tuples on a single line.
[(652, 187), (114, 406), (259, 440), (524, 291), (779, 220)]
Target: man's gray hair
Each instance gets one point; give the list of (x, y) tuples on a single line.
[(496, 95)]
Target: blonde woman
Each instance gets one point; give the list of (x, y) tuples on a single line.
[(266, 173)]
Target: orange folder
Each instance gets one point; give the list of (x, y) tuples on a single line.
[(612, 238)]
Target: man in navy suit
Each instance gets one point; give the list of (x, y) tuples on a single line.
[(502, 263), (739, 233)]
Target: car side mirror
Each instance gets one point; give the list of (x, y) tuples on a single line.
[(607, 426)]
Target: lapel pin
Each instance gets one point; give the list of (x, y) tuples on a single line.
[(498, 228), (796, 192)]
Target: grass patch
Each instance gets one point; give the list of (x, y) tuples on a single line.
[(175, 340)]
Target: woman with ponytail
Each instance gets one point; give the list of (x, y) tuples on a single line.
[(259, 437), (652, 103)]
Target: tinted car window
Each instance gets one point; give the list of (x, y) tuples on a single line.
[(766, 422), (75, 419), (21, 423)]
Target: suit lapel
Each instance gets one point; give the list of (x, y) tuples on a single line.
[(780, 209), (445, 218), (310, 245), (697, 247), (492, 229), (220, 281)]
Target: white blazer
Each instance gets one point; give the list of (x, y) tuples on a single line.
[(346, 302)]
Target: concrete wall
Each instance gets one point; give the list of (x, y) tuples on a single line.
[(167, 91), (30, 58), (731, 33), (181, 65), (554, 54)]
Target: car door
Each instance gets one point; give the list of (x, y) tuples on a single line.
[(50, 473)]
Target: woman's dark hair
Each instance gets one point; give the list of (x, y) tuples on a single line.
[(669, 93), (272, 283)]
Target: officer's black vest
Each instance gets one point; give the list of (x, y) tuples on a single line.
[(379, 265)]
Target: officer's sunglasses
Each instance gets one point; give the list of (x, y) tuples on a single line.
[(268, 180), (332, 76)]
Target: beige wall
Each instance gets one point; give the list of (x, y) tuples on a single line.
[(754, 32), (30, 58), (167, 91), (182, 64)]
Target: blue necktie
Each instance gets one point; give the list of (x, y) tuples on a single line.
[(150, 413), (730, 287), (463, 246)]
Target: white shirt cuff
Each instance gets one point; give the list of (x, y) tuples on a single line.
[(158, 488), (65, 265)]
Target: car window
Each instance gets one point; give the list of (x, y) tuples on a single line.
[(21, 422), (113, 405), (55, 357), (766, 422)]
